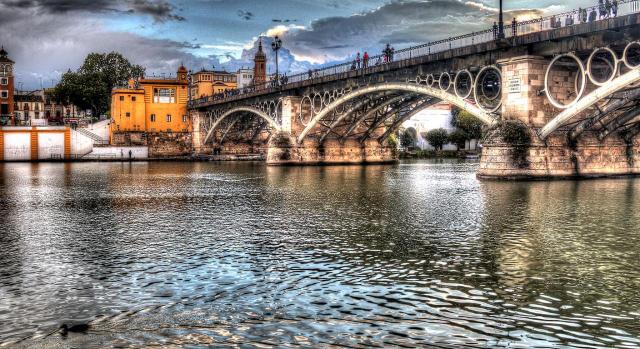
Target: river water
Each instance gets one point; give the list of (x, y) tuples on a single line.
[(228, 254)]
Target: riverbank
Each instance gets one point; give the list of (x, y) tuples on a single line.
[(440, 154)]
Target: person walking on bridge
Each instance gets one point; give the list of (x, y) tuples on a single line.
[(602, 9), (365, 60), (358, 60), (495, 30), (387, 53), (614, 8)]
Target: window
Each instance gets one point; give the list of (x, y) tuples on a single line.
[(153, 117), (168, 117), (184, 118), (122, 98), (4, 81), (164, 95), (133, 98), (128, 114), (4, 94)]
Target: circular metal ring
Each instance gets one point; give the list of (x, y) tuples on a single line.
[(479, 79), (447, 81), (311, 113), (590, 65), (581, 71), (326, 96), (625, 55), (457, 79), (430, 80), (316, 97)]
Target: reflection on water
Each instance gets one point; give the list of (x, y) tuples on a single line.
[(412, 254)]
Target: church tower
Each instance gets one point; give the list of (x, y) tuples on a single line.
[(260, 66), (6, 88)]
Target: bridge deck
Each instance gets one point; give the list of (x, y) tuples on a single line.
[(612, 24)]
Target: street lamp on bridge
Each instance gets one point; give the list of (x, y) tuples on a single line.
[(500, 23), (276, 45)]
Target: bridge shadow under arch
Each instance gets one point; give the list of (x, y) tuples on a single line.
[(234, 111)]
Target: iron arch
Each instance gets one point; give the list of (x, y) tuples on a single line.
[(589, 100), (404, 87), (228, 113)]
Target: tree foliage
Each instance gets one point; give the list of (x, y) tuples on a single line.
[(468, 123), (436, 137), (459, 138), (90, 86), (409, 137)]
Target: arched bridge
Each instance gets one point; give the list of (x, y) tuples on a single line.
[(573, 86)]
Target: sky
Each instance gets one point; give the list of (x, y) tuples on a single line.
[(47, 37)]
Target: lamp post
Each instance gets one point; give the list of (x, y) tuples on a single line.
[(189, 85), (500, 23), (276, 45)]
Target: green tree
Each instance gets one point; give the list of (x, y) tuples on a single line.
[(90, 86), (459, 138), (436, 137), (409, 137), (465, 121)]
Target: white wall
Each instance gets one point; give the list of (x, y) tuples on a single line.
[(118, 153), (50, 146), (17, 146)]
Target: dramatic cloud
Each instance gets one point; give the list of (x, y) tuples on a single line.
[(159, 10), (401, 23), (49, 45), (47, 37)]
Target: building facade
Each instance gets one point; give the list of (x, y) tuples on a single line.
[(150, 106), (244, 77), (209, 82), (29, 108), (6, 89), (59, 113)]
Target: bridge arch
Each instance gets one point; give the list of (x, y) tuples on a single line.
[(236, 110), (590, 100), (483, 115)]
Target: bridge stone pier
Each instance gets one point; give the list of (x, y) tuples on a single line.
[(557, 102)]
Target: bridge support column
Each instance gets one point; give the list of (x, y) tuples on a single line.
[(525, 110), (199, 133)]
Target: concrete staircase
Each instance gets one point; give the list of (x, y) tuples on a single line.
[(97, 140)]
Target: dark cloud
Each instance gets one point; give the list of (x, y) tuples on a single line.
[(159, 10), (246, 15), (275, 20)]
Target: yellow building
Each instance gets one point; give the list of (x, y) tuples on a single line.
[(152, 105), (208, 82)]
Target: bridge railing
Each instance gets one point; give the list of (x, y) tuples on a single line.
[(565, 19)]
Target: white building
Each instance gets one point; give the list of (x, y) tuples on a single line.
[(437, 116), (244, 77)]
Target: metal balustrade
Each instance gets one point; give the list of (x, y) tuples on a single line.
[(565, 19)]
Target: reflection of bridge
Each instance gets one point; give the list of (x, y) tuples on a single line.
[(571, 84)]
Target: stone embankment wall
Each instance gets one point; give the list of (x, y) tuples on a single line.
[(170, 144)]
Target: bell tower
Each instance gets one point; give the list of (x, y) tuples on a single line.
[(260, 66), (6, 88)]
